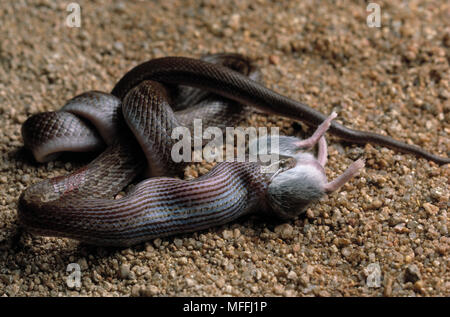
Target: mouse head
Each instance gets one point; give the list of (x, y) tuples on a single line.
[(291, 191), (303, 180)]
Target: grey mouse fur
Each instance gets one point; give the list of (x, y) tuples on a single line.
[(291, 190)]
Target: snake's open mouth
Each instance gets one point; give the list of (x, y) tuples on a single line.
[(304, 180)]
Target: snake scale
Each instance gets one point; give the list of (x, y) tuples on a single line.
[(136, 120)]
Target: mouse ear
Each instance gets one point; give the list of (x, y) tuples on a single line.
[(350, 172)]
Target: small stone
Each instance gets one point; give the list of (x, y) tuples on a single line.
[(373, 273), (341, 242), (220, 282), (125, 271), (202, 170), (439, 194), (227, 32), (430, 208), (304, 280), (292, 275), (157, 242), (135, 290), (119, 196), (396, 219), (346, 252), (376, 204), (442, 248), (408, 258), (178, 242), (310, 213), (96, 277), (412, 273), (190, 173), (150, 290), (234, 22), (410, 55), (289, 293), (119, 7), (118, 46), (285, 231), (283, 43), (190, 282), (412, 224), (418, 286), (388, 286), (227, 234), (278, 289), (401, 228), (274, 59), (323, 293), (183, 260), (229, 267)]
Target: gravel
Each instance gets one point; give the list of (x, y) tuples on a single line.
[(391, 80)]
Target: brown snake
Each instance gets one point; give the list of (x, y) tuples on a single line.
[(78, 205)]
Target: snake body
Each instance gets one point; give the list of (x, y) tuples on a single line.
[(135, 121), (157, 207)]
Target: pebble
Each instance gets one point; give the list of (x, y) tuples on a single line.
[(234, 22), (274, 59), (401, 228), (183, 260), (190, 282), (324, 293), (430, 209), (292, 275), (412, 273), (125, 272), (373, 273), (157, 242), (376, 204), (119, 46), (120, 7), (388, 286), (419, 287), (150, 290), (227, 234), (135, 290), (285, 230), (178, 242), (346, 252), (439, 194)]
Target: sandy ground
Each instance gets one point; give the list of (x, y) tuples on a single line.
[(393, 80)]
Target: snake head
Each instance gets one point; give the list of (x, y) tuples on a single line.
[(303, 180), (290, 192)]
